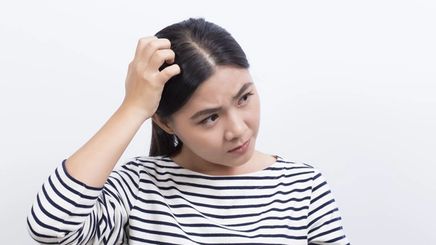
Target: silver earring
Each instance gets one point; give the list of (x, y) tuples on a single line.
[(175, 140)]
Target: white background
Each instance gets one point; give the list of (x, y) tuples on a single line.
[(346, 86)]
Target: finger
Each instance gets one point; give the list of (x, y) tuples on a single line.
[(169, 72), (151, 47), (142, 42), (161, 56)]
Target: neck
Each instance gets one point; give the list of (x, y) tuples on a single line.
[(189, 160)]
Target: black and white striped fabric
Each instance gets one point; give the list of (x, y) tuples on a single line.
[(152, 200)]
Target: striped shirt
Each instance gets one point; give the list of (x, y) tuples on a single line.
[(152, 200)]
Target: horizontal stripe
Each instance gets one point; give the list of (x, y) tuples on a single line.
[(187, 215), (188, 193), (233, 206), (237, 187)]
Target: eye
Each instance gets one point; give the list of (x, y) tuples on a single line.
[(244, 98), (208, 121)]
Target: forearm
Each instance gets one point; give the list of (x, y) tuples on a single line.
[(95, 160)]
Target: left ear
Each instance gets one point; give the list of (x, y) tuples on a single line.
[(163, 124)]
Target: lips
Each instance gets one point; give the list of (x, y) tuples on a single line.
[(236, 148)]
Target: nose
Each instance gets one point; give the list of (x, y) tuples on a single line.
[(236, 127)]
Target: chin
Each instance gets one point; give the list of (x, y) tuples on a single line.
[(239, 161)]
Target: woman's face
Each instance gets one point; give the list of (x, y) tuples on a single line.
[(222, 114)]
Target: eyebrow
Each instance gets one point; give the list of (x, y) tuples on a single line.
[(211, 110)]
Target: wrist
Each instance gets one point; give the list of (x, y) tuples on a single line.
[(134, 111)]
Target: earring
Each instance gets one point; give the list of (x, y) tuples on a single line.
[(175, 140)]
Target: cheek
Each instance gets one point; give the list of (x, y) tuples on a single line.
[(197, 138), (257, 103), (253, 112)]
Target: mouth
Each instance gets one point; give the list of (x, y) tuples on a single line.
[(241, 147)]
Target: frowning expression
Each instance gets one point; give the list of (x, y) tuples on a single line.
[(221, 116)]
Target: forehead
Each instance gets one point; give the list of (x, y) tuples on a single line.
[(220, 87)]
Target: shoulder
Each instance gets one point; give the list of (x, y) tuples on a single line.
[(289, 164), (297, 167), (135, 169), (142, 164)]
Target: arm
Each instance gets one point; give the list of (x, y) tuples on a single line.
[(83, 200), (324, 218), (94, 161)]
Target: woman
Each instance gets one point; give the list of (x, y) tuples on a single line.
[(204, 182)]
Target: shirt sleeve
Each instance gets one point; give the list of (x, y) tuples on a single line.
[(67, 211), (324, 218)]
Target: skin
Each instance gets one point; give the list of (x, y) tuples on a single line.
[(208, 138)]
